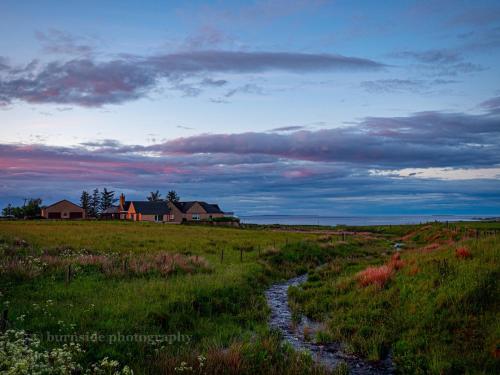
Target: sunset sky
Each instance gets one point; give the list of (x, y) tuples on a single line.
[(266, 107)]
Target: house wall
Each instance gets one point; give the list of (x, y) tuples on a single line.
[(131, 214), (198, 209), (64, 208), (178, 215), (152, 218)]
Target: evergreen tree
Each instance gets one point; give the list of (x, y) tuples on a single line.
[(95, 203), (85, 202), (172, 196), (107, 199)]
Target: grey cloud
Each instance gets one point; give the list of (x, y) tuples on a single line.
[(433, 56), (399, 85), (288, 128), (492, 104), (94, 83), (213, 82), (60, 42), (421, 140), (249, 88)]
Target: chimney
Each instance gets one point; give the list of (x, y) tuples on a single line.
[(122, 201)]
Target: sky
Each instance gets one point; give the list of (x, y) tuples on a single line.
[(266, 107)]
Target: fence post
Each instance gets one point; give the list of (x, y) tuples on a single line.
[(222, 255), (241, 254), (68, 274)]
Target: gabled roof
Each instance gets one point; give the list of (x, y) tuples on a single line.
[(112, 210), (61, 201), (209, 208), (149, 207)]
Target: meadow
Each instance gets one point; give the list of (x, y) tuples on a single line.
[(155, 298)]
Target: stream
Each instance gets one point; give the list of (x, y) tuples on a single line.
[(329, 355)]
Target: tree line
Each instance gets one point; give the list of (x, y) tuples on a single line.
[(94, 203), (97, 202), (31, 208)]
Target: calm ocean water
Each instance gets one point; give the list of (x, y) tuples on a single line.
[(353, 220)]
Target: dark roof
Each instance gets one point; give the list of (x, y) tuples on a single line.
[(64, 200), (150, 207), (209, 208), (112, 210)]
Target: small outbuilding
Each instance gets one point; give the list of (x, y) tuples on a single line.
[(63, 210)]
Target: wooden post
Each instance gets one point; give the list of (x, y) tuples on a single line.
[(241, 254), (343, 236), (68, 274), (258, 248), (222, 255), (125, 266)]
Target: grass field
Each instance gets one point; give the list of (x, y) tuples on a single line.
[(193, 295)]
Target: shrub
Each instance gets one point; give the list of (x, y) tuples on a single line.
[(375, 276)]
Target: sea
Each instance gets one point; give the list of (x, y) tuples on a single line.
[(356, 220)]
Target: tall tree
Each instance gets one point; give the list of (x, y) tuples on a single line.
[(154, 196), (8, 211), (107, 199), (172, 196), (33, 208), (95, 203), (85, 202)]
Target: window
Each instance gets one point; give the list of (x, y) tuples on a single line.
[(158, 217), (195, 217), (172, 217)]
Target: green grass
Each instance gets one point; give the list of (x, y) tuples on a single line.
[(215, 309), (438, 314)]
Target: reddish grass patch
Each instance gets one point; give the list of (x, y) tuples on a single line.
[(375, 276), (463, 253), (430, 248), (396, 262)]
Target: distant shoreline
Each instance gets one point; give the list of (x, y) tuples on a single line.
[(360, 220)]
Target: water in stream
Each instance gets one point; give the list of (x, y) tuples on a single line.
[(329, 355)]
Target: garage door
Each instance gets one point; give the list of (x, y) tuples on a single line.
[(75, 215), (54, 215)]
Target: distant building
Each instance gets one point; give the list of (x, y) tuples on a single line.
[(171, 212), (63, 210)]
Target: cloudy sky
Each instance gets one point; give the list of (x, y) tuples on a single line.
[(267, 107)]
